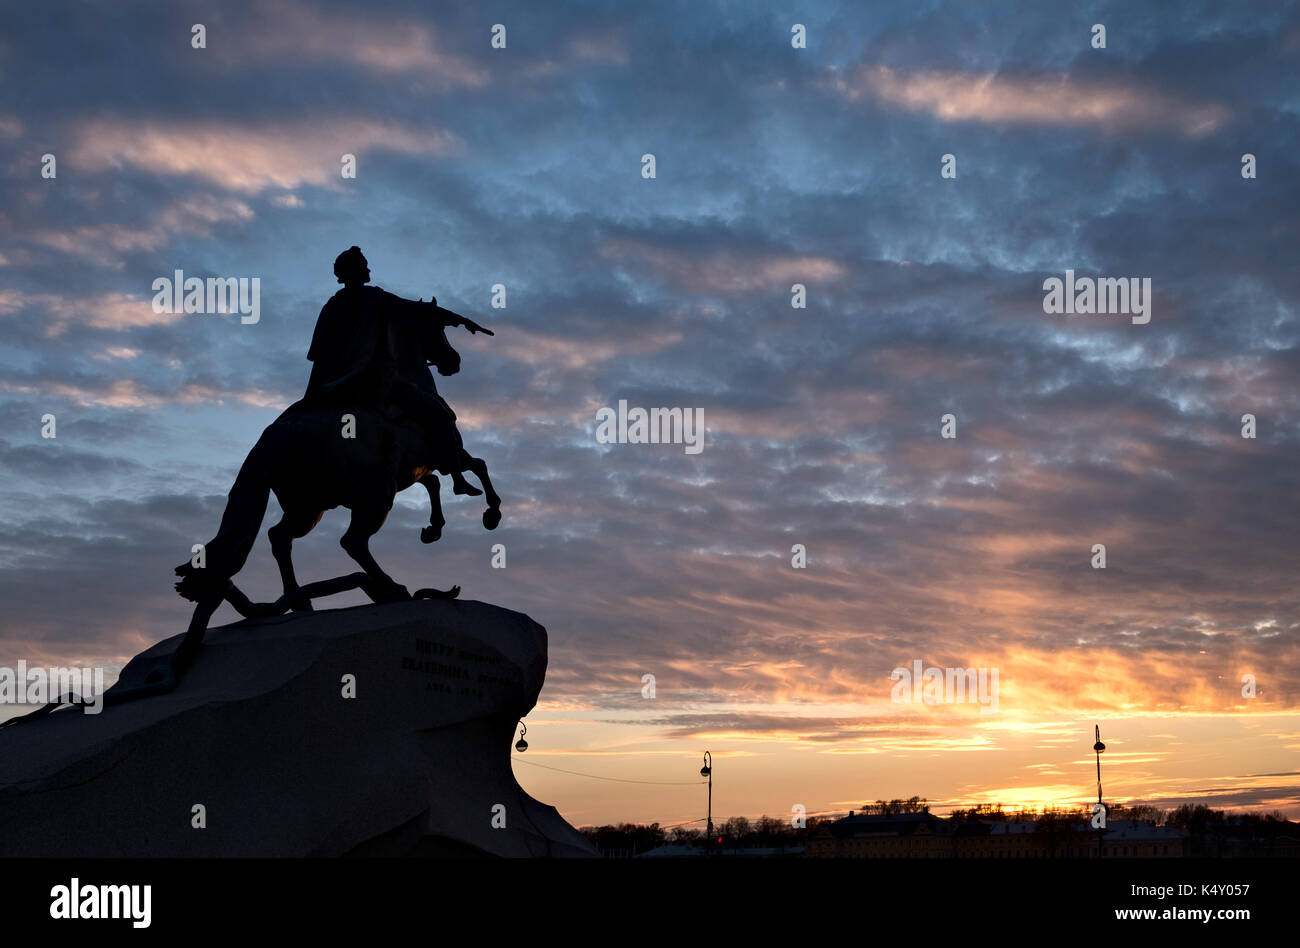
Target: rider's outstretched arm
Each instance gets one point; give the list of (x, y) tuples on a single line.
[(456, 319), (419, 308)]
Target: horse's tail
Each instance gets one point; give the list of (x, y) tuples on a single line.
[(224, 555)]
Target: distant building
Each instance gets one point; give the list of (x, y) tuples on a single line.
[(1142, 839), (1286, 847), (873, 836), (925, 836), (685, 851), (1031, 839), (672, 851), (1238, 836)]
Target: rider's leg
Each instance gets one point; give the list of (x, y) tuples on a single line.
[(439, 422)]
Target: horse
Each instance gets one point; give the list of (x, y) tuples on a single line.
[(316, 458)]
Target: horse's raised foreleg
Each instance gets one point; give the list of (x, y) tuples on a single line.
[(366, 521), (292, 525), (491, 516), (461, 486), (436, 520)]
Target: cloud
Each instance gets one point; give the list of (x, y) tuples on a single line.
[(111, 311), (249, 158), (723, 271), (126, 393), (293, 32), (106, 243), (545, 351), (1060, 99)]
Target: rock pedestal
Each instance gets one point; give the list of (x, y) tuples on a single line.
[(265, 735)]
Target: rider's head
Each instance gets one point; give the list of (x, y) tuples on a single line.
[(351, 268)]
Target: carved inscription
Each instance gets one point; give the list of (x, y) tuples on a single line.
[(451, 670)]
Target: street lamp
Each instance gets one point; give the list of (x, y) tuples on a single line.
[(1098, 748), (707, 771)]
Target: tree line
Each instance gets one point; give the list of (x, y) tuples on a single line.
[(1205, 826)]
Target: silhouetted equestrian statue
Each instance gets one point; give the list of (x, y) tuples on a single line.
[(370, 424)]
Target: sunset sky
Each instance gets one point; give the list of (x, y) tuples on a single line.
[(774, 166)]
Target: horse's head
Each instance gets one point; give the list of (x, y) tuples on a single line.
[(438, 352)]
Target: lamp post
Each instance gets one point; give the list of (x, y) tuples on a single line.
[(707, 771), (1098, 748)]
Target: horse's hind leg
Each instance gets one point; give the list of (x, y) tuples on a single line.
[(436, 520), (491, 516), (355, 541), (292, 525)]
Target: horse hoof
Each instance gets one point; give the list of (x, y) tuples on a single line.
[(430, 534), (392, 594), (492, 517)]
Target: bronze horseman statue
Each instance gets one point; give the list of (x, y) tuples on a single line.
[(370, 424)]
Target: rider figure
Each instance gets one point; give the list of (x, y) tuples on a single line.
[(355, 362)]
